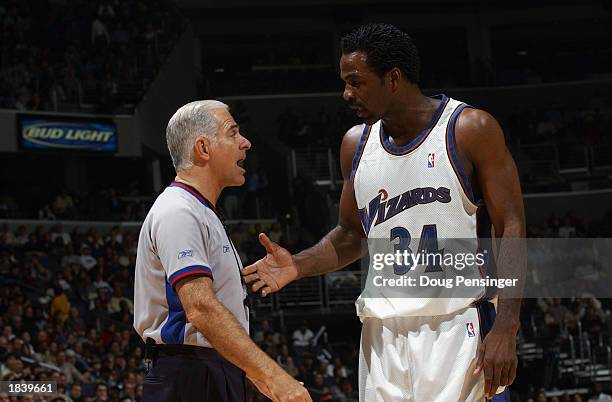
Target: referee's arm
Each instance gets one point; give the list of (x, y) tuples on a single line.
[(228, 337)]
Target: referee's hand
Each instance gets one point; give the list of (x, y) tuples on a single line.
[(284, 388), (273, 272)]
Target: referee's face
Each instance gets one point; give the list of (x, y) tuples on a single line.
[(228, 152)]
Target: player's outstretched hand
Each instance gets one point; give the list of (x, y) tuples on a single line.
[(497, 358), (274, 271)]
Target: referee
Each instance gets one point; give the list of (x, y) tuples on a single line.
[(188, 293)]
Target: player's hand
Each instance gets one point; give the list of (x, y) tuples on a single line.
[(497, 358), (284, 388), (272, 272)]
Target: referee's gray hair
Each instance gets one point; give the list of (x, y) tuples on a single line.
[(187, 123)]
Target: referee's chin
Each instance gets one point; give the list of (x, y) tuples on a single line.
[(237, 182)]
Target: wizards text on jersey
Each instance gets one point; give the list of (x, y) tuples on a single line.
[(381, 209)]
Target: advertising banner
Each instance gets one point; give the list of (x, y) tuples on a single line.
[(42, 132)]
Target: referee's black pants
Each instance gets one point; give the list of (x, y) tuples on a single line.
[(183, 373)]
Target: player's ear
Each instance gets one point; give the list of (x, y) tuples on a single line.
[(201, 149), (394, 77)]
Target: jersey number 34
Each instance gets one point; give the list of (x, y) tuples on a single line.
[(427, 249)]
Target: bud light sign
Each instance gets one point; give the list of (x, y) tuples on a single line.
[(84, 135)]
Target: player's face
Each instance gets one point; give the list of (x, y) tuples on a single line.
[(364, 89), (228, 152)]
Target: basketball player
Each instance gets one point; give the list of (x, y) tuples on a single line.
[(419, 167)]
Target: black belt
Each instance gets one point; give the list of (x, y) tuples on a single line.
[(199, 352)]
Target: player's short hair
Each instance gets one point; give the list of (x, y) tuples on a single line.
[(386, 47), (187, 123)]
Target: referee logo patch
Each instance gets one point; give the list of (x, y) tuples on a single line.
[(185, 253)]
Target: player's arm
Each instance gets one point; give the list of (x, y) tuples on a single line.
[(228, 337), (342, 245), (481, 139)]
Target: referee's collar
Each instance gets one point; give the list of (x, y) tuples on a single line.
[(193, 191)]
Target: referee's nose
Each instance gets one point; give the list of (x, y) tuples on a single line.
[(245, 144)]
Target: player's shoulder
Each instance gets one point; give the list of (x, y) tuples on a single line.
[(351, 139), (476, 131), (472, 121), (354, 133), (348, 148)]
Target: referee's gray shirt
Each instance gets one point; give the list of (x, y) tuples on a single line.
[(183, 237)]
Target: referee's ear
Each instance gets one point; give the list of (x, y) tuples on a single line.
[(201, 149)]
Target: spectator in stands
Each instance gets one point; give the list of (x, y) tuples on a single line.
[(63, 205), (100, 38), (540, 396), (598, 395), (119, 302), (75, 324), (65, 361), (11, 367), (87, 260), (101, 392), (592, 321), (45, 213), (106, 11), (290, 367), (6, 236), (76, 393), (21, 237), (57, 231), (567, 229), (60, 305), (302, 337)]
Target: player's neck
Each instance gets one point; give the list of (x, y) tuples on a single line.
[(208, 188), (409, 117)]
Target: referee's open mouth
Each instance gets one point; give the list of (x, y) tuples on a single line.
[(240, 163)]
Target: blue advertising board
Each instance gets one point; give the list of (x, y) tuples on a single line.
[(67, 134)]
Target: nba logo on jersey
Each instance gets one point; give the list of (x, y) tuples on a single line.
[(431, 158), (470, 330)]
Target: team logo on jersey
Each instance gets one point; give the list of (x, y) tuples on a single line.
[(380, 209), (383, 194), (470, 330), (185, 253), (431, 160), (226, 248)]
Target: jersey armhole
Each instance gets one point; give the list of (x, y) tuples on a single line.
[(359, 152), (451, 149)]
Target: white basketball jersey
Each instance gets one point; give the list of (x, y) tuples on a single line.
[(416, 197)]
